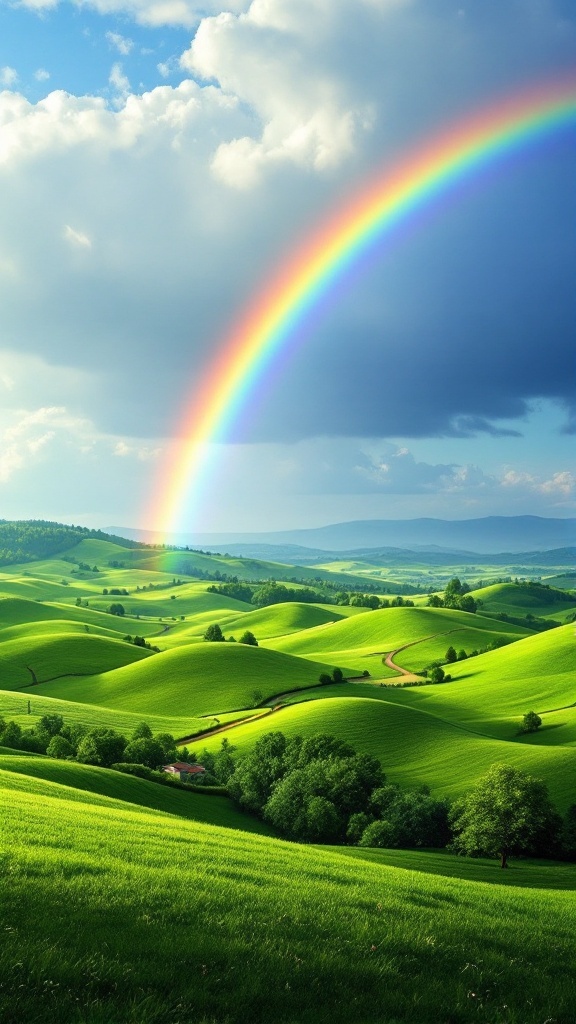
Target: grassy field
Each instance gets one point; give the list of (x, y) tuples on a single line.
[(120, 913), (198, 679), (135, 903)]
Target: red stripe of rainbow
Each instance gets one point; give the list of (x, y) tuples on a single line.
[(384, 202)]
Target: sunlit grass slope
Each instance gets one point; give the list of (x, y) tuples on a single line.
[(520, 598), (282, 619), (193, 680), (414, 746), (14, 705), (51, 627), (491, 693), (123, 914), (36, 659), (385, 630), (216, 810), (16, 610)]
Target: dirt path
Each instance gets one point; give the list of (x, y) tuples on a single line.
[(411, 676), (229, 725)]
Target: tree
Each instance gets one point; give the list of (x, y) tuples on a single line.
[(507, 813), (60, 747), (146, 751), (142, 732), (116, 609), (324, 678), (214, 634), (248, 638), (451, 655), (437, 674), (101, 747), (531, 722), (338, 675), (51, 724)]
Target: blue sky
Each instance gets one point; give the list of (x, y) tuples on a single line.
[(158, 157)]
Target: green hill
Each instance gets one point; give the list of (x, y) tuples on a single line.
[(271, 931), (491, 693), (204, 678), (37, 659), (520, 599), (352, 640), (279, 620), (86, 779), (414, 745)]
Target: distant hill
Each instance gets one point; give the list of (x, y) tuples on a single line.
[(487, 535)]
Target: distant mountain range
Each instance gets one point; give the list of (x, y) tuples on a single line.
[(388, 538)]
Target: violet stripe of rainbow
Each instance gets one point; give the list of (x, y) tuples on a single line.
[(381, 204)]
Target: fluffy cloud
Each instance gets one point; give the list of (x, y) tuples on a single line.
[(8, 76), (123, 44), (130, 238)]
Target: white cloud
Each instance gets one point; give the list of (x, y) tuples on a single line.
[(563, 483), (307, 105), (41, 75), (120, 43), (118, 80), (8, 76), (77, 238), (144, 453)]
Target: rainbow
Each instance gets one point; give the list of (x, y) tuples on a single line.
[(381, 205)]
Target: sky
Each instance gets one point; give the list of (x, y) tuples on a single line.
[(159, 158)]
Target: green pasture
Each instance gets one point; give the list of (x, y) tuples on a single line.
[(194, 680), (172, 912), (519, 599), (522, 871), (14, 705), (83, 779), (491, 693), (414, 745), (280, 620), (351, 641), (16, 610), (29, 660)]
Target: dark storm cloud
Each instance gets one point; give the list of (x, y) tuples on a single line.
[(134, 239)]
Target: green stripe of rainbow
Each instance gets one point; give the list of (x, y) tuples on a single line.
[(385, 202)]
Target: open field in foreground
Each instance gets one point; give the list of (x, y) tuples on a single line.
[(229, 927)]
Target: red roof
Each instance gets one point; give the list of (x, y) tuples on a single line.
[(181, 766)]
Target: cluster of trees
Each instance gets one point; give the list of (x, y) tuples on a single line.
[(100, 746), (214, 634), (320, 790), (140, 641), (31, 540), (115, 592), (276, 593), (372, 601), (456, 595), (239, 591)]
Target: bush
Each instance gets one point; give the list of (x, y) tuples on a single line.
[(531, 722), (60, 747)]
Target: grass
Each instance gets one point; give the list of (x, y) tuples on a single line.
[(173, 911), (83, 779), (30, 659), (414, 746), (351, 641), (199, 679), (14, 705)]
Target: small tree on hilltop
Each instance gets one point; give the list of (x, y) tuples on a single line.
[(507, 813), (249, 638), (531, 722), (451, 655), (214, 634)]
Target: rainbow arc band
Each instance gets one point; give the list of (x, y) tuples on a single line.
[(379, 207)]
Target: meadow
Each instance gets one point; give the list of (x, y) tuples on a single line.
[(134, 903)]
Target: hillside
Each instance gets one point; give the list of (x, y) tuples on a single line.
[(298, 915)]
